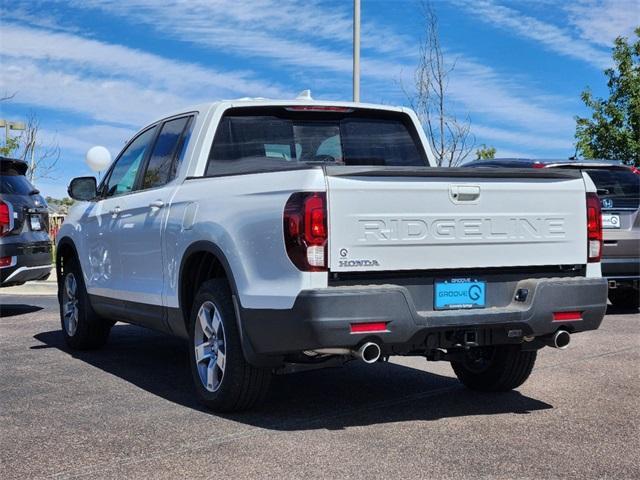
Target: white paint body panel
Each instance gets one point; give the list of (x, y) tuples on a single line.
[(242, 215), (136, 256), (413, 223)]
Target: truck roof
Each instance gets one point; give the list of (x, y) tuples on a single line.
[(267, 102)]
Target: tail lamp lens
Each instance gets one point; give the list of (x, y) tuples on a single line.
[(5, 218), (594, 227), (6, 261), (305, 230)]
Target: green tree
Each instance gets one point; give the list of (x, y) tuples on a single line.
[(485, 152), (613, 131), (10, 146)]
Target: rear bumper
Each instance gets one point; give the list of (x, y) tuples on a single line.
[(323, 318), (621, 269), (30, 261)]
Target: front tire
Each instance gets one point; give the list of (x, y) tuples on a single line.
[(81, 326), (224, 380), (495, 369), (625, 298)]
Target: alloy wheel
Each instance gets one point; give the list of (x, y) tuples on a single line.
[(70, 304), (210, 346)]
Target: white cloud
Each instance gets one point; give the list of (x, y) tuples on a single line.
[(508, 153), (283, 22), (302, 36), (551, 37), (117, 101), (63, 51), (255, 30), (77, 140), (292, 41), (74, 143), (488, 96), (521, 139), (601, 21)]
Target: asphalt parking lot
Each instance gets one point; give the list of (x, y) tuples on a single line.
[(128, 410)]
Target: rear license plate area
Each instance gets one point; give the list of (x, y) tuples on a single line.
[(35, 223), (456, 293), (610, 220)]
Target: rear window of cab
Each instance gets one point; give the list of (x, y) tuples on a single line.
[(260, 138)]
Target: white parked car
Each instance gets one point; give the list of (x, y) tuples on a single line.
[(271, 233)]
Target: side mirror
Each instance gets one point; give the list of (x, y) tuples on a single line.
[(83, 188), (98, 158)]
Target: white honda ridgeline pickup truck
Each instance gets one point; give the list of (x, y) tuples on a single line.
[(274, 233)]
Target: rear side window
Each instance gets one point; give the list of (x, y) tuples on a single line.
[(167, 153), (250, 140), (616, 182), (12, 183)]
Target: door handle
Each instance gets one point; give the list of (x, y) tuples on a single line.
[(464, 193), (114, 211), (156, 205)]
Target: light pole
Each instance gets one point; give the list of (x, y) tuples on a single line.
[(356, 50), (9, 125)]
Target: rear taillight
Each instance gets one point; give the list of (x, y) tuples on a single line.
[(5, 218), (305, 230), (594, 227), (6, 262)]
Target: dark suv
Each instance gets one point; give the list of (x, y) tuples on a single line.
[(619, 191), (25, 247)]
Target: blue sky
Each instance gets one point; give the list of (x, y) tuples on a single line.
[(95, 71)]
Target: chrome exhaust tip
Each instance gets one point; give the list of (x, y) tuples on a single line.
[(560, 339), (369, 352)]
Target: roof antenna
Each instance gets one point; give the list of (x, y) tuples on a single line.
[(304, 95), (575, 154)]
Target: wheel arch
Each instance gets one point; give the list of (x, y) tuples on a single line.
[(65, 248), (210, 252), (190, 270)]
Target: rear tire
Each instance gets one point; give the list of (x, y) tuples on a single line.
[(82, 327), (625, 297), (224, 380), (495, 369)]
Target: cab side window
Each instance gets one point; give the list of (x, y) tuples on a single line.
[(167, 153), (123, 175)]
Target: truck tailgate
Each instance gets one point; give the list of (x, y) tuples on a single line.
[(389, 219)]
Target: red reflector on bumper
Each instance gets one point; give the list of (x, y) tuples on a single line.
[(368, 327), (5, 261), (564, 316)]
